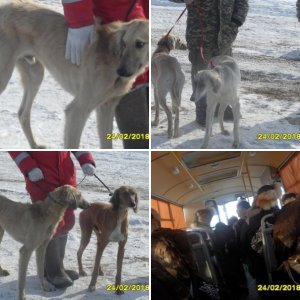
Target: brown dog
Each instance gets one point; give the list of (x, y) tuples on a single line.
[(110, 223)]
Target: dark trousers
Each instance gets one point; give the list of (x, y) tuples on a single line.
[(132, 116)]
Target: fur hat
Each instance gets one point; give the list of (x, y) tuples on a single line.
[(266, 197)]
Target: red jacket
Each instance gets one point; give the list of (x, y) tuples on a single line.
[(58, 170), (80, 13)]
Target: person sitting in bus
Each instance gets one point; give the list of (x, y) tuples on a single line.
[(202, 220), (229, 258), (265, 203), (241, 227), (232, 222)]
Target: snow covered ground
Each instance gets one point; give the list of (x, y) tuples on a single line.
[(115, 169), (47, 113), (268, 52)]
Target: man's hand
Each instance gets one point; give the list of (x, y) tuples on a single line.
[(35, 175), (77, 39), (88, 169)]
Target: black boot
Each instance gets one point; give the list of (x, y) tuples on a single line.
[(201, 112), (54, 271), (62, 248), (228, 114)]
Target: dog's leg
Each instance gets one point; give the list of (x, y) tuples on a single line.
[(105, 118), (121, 251), (163, 103), (86, 232), (156, 104), (236, 124), (222, 109), (40, 263), (100, 248), (77, 113), (2, 271), (32, 75), (176, 100), (209, 123), (25, 255)]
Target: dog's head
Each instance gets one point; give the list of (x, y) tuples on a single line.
[(205, 80), (172, 42), (67, 195), (132, 42), (124, 197)]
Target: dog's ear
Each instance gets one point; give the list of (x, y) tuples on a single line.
[(114, 200)]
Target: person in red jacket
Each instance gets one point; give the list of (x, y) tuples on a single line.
[(132, 113), (44, 171)]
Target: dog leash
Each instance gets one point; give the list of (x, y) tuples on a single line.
[(108, 189), (47, 192), (208, 62), (175, 22)]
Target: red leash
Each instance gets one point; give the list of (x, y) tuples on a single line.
[(209, 62), (176, 22)]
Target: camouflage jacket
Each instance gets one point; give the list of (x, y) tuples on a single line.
[(214, 24), (298, 10)]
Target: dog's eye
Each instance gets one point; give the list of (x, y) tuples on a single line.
[(139, 44)]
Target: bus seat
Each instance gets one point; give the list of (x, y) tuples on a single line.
[(267, 239)]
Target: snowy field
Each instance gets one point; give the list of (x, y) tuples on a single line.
[(115, 169), (47, 113), (268, 52)]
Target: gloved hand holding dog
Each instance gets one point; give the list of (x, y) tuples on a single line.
[(77, 39), (35, 175)]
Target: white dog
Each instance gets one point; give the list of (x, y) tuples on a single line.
[(219, 85)]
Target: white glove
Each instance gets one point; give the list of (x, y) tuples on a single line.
[(77, 39), (88, 169), (35, 175)]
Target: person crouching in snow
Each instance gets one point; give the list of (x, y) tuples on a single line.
[(44, 171), (132, 113)]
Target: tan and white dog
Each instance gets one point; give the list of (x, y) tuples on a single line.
[(219, 85), (33, 37), (167, 77)]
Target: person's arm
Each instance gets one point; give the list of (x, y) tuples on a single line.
[(27, 165), (240, 12), (86, 161), (80, 19)]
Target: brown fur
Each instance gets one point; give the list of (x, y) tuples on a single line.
[(104, 219), (33, 225), (167, 77), (33, 37)]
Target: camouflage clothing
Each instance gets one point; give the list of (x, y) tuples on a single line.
[(214, 23), (298, 9)]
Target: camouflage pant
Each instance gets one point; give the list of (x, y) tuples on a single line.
[(198, 64), (132, 116)]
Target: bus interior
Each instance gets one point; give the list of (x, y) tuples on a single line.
[(187, 184)]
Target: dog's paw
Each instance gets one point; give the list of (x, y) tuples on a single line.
[(119, 292), (48, 287), (4, 272), (92, 288), (82, 273), (176, 134), (225, 132)]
